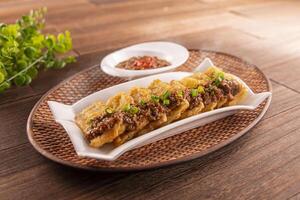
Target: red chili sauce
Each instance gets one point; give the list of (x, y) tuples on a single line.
[(143, 62)]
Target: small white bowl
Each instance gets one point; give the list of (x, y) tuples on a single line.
[(171, 52)]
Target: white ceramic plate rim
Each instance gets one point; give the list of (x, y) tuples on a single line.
[(64, 114)]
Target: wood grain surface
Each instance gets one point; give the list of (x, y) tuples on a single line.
[(263, 164)]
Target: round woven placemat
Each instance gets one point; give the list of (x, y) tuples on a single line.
[(51, 140)]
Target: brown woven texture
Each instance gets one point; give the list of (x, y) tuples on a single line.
[(50, 139)]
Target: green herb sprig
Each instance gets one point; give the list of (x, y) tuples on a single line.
[(24, 49)]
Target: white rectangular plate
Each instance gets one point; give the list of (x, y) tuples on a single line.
[(65, 114)]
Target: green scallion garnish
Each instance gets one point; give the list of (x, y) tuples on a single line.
[(134, 110), (194, 92), (218, 78), (201, 89), (142, 102), (180, 93), (165, 95), (155, 98), (166, 102), (131, 109), (109, 110), (127, 107)]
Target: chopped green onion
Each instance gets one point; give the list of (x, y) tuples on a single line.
[(180, 93), (221, 75), (109, 110), (165, 95), (201, 89), (134, 110), (194, 92), (131, 109), (142, 102), (126, 108), (218, 78), (166, 102), (155, 98)]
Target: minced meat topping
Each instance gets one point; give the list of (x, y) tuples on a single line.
[(153, 110)]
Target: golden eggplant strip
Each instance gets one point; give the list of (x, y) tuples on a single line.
[(157, 89), (138, 95), (211, 77), (191, 83), (182, 104), (108, 136), (87, 114), (86, 117), (174, 103), (119, 101)]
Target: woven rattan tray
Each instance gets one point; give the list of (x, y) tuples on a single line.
[(51, 140)]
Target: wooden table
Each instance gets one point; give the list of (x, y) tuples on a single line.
[(263, 164)]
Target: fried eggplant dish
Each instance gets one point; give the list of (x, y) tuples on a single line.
[(141, 110)]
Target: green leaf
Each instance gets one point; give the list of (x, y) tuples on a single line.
[(68, 40), (70, 59), (38, 40), (61, 38), (30, 52), (11, 30), (28, 80), (3, 37), (26, 19), (50, 41), (28, 32), (32, 72), (3, 69), (50, 64), (20, 80), (24, 49), (60, 48), (22, 64), (59, 64), (1, 65), (4, 86), (2, 77)]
